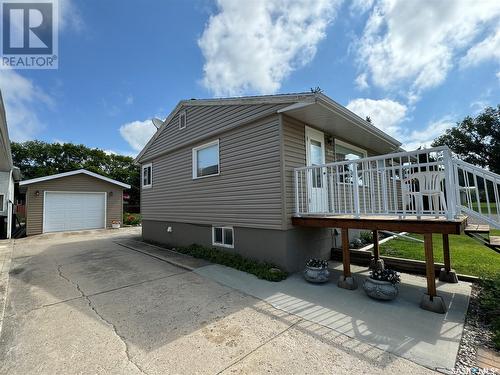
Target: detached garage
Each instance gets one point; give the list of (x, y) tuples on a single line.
[(69, 201)]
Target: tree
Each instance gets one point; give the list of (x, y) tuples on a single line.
[(37, 159), (476, 140)]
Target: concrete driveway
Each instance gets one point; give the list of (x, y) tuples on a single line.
[(82, 304)]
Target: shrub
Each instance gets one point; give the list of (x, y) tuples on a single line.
[(366, 237), (262, 270), (131, 219)]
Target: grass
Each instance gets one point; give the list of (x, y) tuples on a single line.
[(131, 219), (468, 256), (262, 270), (489, 302), (484, 207)]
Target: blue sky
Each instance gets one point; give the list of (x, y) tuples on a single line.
[(415, 67)]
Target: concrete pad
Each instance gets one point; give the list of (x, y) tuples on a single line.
[(63, 339), (398, 326), (309, 348)]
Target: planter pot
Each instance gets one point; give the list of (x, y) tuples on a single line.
[(316, 274), (115, 226), (382, 290)]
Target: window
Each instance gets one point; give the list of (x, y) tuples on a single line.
[(206, 160), (344, 151), (182, 120), (347, 152), (223, 236), (1, 202), (147, 175)]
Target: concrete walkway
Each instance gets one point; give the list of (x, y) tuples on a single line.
[(399, 326), (82, 304)]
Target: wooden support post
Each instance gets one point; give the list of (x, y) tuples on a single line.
[(346, 280), (446, 253), (346, 254), (431, 301), (447, 274), (376, 251), (429, 265)]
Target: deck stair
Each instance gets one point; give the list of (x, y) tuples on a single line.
[(481, 233)]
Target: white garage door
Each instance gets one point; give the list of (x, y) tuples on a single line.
[(73, 211)]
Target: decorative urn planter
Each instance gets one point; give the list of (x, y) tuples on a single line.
[(378, 289), (382, 284), (317, 271)]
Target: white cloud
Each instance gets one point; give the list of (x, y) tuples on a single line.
[(69, 16), (360, 6), (20, 96), (137, 133), (129, 100), (423, 138), (389, 116), (385, 114), (252, 46), (488, 49), (361, 81), (413, 44)]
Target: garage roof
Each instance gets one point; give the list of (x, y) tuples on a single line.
[(71, 173)]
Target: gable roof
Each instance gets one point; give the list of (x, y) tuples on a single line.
[(296, 101), (72, 173)]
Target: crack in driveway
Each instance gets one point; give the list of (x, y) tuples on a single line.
[(94, 309)]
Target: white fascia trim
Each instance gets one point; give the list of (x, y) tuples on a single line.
[(72, 173)]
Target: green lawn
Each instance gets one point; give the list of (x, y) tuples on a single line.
[(468, 256), (484, 207)]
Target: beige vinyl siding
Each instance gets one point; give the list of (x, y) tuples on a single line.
[(79, 182), (203, 121), (246, 193)]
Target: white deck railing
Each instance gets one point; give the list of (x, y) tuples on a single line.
[(427, 182)]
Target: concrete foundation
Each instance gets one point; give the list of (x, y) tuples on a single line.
[(435, 304), (448, 277), (288, 249), (347, 282)]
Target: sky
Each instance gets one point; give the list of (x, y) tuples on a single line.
[(416, 67)]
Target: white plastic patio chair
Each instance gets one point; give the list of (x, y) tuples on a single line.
[(429, 184)]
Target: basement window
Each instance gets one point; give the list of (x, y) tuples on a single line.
[(223, 236)]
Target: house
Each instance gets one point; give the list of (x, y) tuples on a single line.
[(75, 200), (9, 175), (221, 172)]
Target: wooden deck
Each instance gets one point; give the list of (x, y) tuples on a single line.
[(423, 225), (410, 224)]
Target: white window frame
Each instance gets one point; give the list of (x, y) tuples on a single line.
[(224, 228), (195, 159), (348, 145), (182, 113), (145, 166)]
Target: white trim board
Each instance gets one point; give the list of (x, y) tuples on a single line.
[(72, 173)]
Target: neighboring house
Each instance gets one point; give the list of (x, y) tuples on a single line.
[(221, 172), (75, 200), (8, 176)]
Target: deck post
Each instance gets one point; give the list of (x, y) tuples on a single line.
[(447, 274), (431, 301), (376, 262), (346, 280)]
